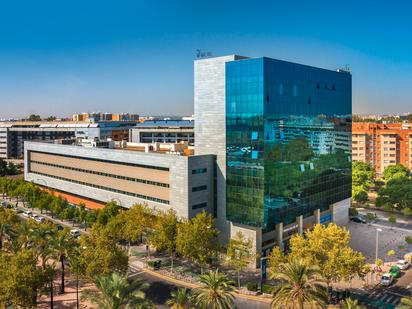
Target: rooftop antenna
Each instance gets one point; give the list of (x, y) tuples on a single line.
[(200, 54), (345, 68)]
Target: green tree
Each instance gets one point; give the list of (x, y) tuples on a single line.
[(62, 245), (300, 286), (75, 269), (81, 213), (165, 234), (406, 303), (139, 220), (115, 292), (68, 213), (363, 175), (110, 210), (360, 195), (34, 117), (216, 292), (350, 303), (196, 239), (239, 253), (20, 279), (58, 205), (41, 240), (328, 247), (100, 254), (8, 219), (181, 298), (395, 171), (397, 193)]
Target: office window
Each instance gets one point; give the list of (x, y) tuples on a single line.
[(199, 188), (198, 206), (199, 171)]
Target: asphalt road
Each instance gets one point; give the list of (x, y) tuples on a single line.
[(159, 292)]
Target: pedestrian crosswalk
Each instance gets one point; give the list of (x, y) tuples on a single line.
[(130, 271), (381, 299)]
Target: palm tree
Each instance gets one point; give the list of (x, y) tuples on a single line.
[(62, 244), (216, 291), (41, 236), (115, 292), (300, 286), (406, 303), (75, 268), (350, 303), (180, 299), (7, 219)]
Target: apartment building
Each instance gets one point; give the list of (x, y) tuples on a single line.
[(382, 144)]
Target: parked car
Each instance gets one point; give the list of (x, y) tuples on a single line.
[(358, 219), (17, 209), (34, 216), (386, 279), (40, 219), (403, 264), (395, 271), (59, 227), (75, 233), (27, 213)]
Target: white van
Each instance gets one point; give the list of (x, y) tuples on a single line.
[(27, 213), (75, 233)]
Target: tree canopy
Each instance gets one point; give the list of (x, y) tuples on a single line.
[(325, 246)]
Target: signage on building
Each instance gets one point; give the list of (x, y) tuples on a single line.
[(290, 228), (264, 273), (325, 218)]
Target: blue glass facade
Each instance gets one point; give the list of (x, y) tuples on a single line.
[(288, 140)]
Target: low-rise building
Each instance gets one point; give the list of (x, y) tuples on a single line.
[(14, 134), (163, 131), (157, 179)]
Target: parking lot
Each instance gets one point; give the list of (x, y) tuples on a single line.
[(363, 239)]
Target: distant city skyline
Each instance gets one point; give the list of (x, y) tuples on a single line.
[(61, 58)]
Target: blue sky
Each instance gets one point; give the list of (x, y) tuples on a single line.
[(60, 57)]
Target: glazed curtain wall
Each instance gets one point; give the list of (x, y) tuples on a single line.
[(288, 140)]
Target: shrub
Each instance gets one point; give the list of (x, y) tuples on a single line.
[(353, 212), (155, 264), (252, 286), (267, 288), (392, 219), (370, 216)]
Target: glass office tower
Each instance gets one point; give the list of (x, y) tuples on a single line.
[(288, 140)]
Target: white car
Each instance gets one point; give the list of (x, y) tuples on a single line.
[(403, 265), (39, 219), (34, 216), (75, 233), (386, 279), (27, 213)]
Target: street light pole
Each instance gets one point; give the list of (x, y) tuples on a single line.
[(377, 243)]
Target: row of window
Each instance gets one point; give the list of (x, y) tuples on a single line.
[(199, 188), (199, 171), (198, 206), (149, 182), (106, 161), (154, 199)]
